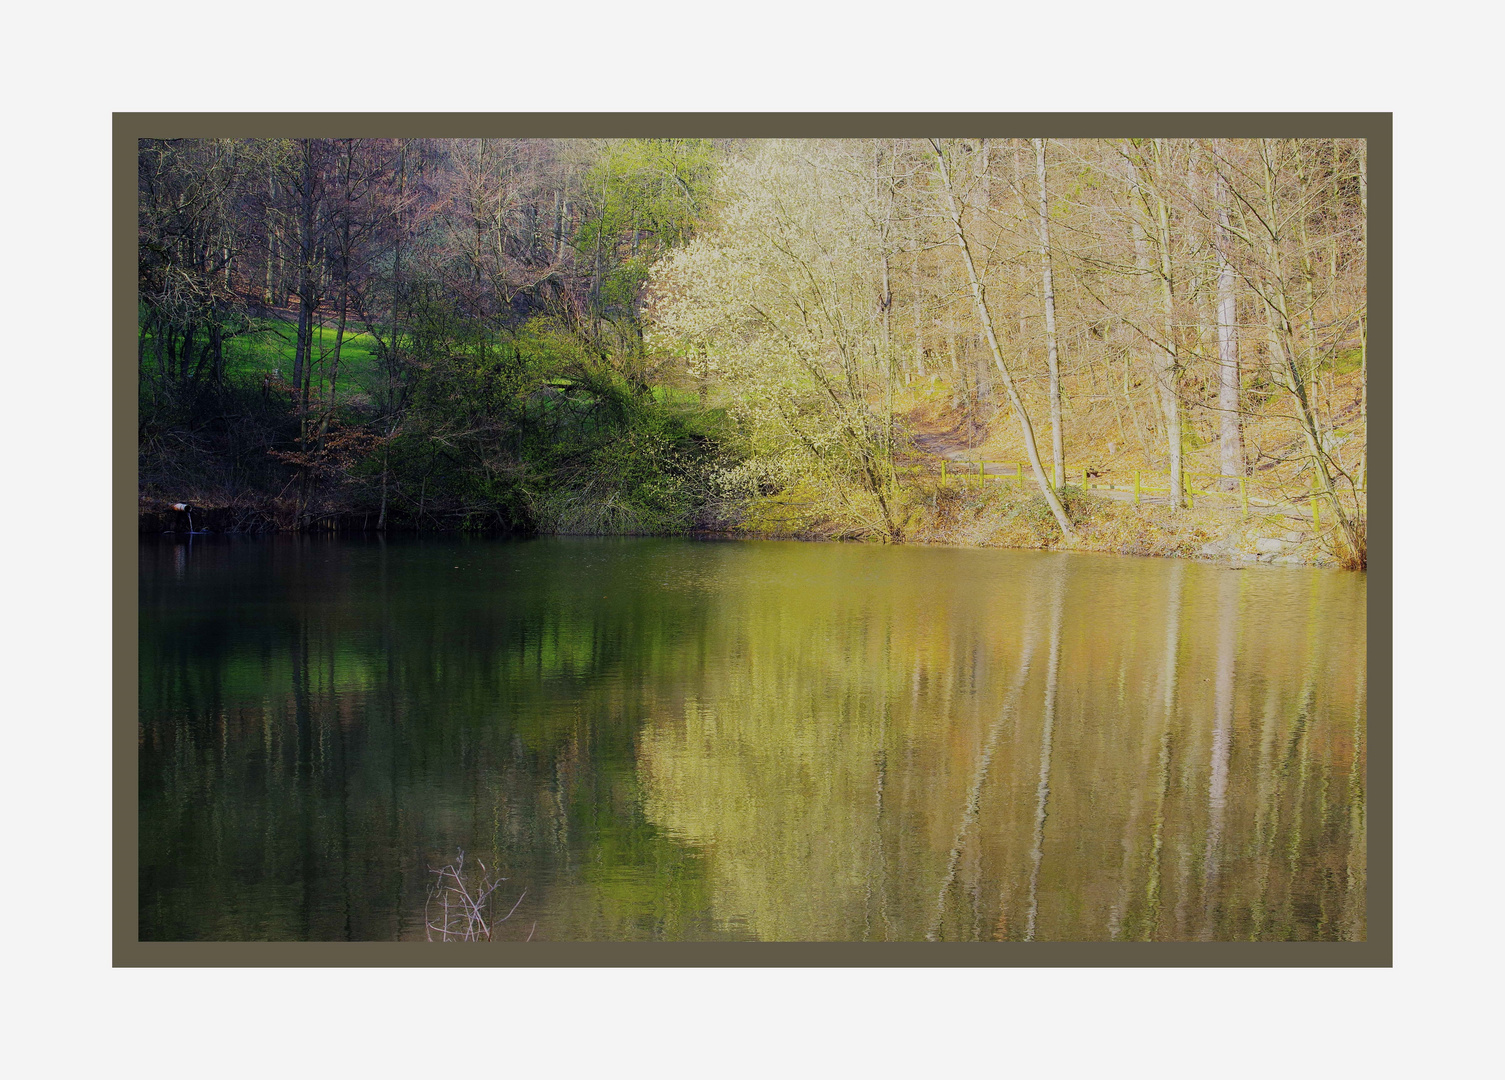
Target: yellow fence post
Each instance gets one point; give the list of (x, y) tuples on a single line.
[(1136, 487), (1243, 494), (943, 472)]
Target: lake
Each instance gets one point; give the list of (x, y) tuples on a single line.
[(672, 739)]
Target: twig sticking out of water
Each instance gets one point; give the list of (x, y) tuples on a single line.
[(464, 904)]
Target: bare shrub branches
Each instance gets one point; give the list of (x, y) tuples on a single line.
[(459, 906)]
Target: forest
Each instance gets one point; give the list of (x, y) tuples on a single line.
[(979, 341)]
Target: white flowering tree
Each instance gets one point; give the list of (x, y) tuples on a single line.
[(780, 304)]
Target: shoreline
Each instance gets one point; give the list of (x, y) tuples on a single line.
[(1151, 533)]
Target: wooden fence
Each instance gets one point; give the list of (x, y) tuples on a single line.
[(1189, 486)]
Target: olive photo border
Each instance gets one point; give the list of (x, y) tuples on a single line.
[(1376, 951)]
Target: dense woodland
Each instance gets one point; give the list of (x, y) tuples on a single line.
[(671, 335)]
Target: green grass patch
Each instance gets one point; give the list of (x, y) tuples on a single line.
[(670, 395), (1345, 362), (271, 348), (270, 344)]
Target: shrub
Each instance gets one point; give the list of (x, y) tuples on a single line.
[(460, 906)]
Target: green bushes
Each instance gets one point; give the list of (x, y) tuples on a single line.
[(532, 429), (536, 432), (624, 461)]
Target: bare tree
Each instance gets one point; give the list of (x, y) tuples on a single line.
[(1150, 187), (1229, 443), (1271, 213), (1058, 455), (979, 299)]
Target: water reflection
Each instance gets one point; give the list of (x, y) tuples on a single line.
[(675, 740)]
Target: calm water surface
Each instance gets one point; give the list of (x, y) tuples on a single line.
[(670, 739)]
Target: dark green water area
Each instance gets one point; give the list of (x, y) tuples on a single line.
[(728, 740)]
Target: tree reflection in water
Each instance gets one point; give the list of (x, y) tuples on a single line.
[(676, 740)]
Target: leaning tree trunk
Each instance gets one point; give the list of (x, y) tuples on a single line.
[(1057, 451), (979, 299)]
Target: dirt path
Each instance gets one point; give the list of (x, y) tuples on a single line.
[(952, 445)]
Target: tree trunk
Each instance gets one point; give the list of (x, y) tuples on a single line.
[(1310, 370), (887, 302), (339, 333), (958, 380), (346, 210), (1167, 374), (915, 311), (1058, 456), (596, 272), (557, 248), (979, 299), (1170, 395), (306, 283), (1194, 291), (268, 291), (1230, 441), (1142, 265), (1364, 317), (185, 352), (334, 368)]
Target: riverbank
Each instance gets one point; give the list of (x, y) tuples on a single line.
[(1119, 501), (965, 512), (252, 514), (959, 513)]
